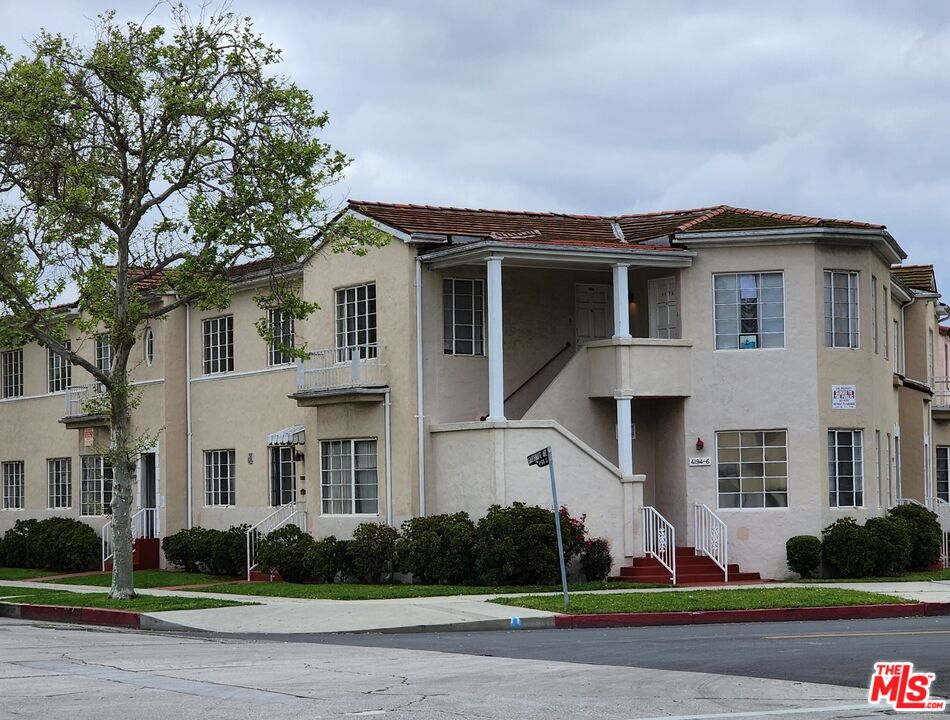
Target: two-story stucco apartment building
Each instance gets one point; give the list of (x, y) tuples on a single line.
[(725, 376)]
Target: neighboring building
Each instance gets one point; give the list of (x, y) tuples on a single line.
[(769, 371)]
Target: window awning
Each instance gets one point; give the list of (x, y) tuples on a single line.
[(293, 435)]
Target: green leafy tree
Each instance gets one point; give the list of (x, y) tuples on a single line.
[(146, 166)]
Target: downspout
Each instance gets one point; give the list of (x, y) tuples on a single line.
[(188, 409), (387, 416), (420, 407)]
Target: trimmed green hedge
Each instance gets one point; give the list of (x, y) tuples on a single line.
[(56, 543)]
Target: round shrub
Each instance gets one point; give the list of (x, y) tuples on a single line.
[(373, 550), (924, 534), (596, 559), (65, 544), (438, 549), (892, 544), (328, 560), (516, 545), (16, 543), (224, 552), (284, 551), (848, 548), (186, 548), (803, 555)]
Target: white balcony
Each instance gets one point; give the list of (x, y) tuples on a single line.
[(941, 388), (334, 371), (85, 401)]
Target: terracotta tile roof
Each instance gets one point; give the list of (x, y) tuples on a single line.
[(565, 228), (918, 277)]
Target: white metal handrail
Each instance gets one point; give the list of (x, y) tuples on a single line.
[(712, 537), (144, 525), (78, 398), (292, 512), (942, 508), (941, 388), (659, 539), (347, 367)]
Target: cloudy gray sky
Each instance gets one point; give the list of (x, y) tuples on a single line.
[(824, 108)]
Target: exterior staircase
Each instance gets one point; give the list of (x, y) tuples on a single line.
[(691, 569), (145, 555)]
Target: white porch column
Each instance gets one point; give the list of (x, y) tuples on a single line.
[(496, 373), (625, 435), (621, 302)]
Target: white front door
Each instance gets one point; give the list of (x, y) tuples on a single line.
[(664, 308), (593, 312)]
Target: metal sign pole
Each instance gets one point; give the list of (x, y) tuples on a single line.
[(557, 526)]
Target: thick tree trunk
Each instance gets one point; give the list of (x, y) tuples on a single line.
[(123, 476)]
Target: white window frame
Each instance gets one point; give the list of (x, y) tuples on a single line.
[(14, 485), (349, 485), (104, 353), (942, 486), (896, 343), (450, 317), (874, 327), (217, 345), (887, 315), (280, 325), (59, 483), (11, 373), (356, 321), (59, 371), (95, 486), (149, 346), (220, 478), (279, 458), (852, 287), (931, 360), (722, 306), (835, 476), (747, 481)]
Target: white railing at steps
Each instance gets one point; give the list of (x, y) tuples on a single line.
[(942, 508), (659, 539), (79, 396), (144, 525), (288, 513), (712, 537)]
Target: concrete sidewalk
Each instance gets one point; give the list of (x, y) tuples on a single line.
[(287, 616)]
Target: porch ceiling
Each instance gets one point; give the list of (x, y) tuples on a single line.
[(549, 255)]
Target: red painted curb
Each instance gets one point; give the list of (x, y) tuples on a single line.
[(704, 617), (85, 616)]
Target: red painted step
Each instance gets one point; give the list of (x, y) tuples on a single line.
[(691, 569)]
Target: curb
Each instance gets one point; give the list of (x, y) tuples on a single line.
[(85, 616), (705, 617)]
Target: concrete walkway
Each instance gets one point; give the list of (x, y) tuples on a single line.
[(273, 615)]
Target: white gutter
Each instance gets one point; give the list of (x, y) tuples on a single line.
[(387, 416), (420, 406), (188, 408)]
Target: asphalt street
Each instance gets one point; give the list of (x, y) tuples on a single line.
[(833, 652), (52, 672)]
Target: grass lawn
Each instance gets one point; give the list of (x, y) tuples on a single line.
[(142, 603), (145, 579), (692, 600), (353, 591), (922, 576), (24, 573)]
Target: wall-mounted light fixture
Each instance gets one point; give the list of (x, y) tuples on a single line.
[(700, 444)]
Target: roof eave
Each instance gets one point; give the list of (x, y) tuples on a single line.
[(547, 255), (887, 246)]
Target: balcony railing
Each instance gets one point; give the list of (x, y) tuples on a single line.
[(941, 387), (342, 368), (83, 400)]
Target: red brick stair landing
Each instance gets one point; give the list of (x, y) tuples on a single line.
[(145, 555), (691, 569)]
